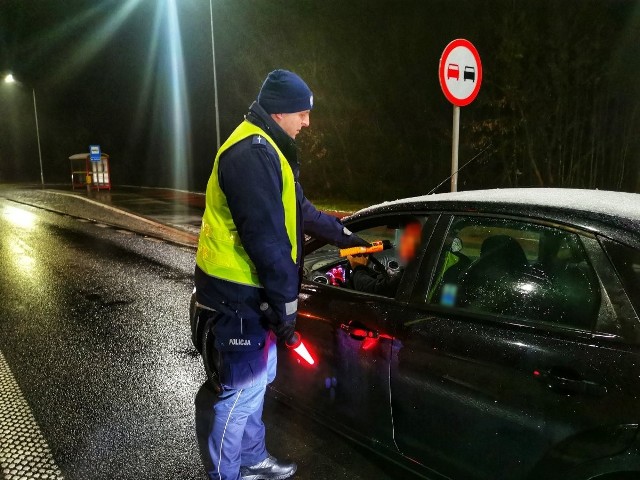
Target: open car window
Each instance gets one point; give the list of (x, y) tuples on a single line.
[(384, 270)]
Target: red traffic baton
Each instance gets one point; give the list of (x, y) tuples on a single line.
[(295, 342)]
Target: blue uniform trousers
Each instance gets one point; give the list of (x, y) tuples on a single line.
[(237, 433)]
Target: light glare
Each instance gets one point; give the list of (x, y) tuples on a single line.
[(20, 218), (97, 38), (179, 104), (22, 257)]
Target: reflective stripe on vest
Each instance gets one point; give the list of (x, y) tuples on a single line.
[(220, 252)]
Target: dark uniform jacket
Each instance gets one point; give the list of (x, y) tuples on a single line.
[(250, 176)]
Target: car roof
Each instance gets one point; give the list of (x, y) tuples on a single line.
[(619, 209)]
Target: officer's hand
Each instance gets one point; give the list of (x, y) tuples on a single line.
[(358, 260), (284, 329), (356, 241)]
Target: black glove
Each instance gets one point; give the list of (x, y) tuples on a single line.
[(356, 241), (283, 328)]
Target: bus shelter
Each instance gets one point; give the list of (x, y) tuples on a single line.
[(88, 174)]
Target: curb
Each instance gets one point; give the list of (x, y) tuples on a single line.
[(124, 212), (191, 240)]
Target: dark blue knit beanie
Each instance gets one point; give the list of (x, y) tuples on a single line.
[(285, 92)]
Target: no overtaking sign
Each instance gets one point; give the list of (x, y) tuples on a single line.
[(460, 72)]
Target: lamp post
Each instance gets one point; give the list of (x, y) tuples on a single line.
[(215, 81), (10, 79)]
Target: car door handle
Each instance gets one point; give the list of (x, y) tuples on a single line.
[(358, 331), (568, 381)]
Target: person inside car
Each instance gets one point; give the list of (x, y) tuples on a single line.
[(366, 279)]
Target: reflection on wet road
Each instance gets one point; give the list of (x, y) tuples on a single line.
[(94, 330)]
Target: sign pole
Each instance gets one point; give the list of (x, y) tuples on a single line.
[(460, 74), (215, 80), (35, 112), (454, 148)]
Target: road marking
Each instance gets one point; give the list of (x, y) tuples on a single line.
[(24, 453)]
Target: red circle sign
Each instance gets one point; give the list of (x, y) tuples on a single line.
[(460, 72)]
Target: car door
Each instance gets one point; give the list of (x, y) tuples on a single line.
[(349, 334), (497, 364)]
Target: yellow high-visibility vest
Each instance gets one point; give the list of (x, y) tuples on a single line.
[(220, 251)]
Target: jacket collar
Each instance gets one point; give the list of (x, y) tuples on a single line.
[(259, 117)]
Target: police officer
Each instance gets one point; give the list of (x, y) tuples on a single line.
[(249, 254)]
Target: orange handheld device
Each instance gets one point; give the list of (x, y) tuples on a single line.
[(375, 247)]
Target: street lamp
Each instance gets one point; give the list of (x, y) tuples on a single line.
[(215, 81), (9, 78)]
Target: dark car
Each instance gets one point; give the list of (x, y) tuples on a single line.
[(511, 349)]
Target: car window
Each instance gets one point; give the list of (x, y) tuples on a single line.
[(517, 270), (382, 273), (627, 263)]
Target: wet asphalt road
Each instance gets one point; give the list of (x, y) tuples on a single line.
[(93, 327)]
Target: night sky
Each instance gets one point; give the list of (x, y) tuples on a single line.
[(135, 76)]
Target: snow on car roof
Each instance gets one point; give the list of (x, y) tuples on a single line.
[(620, 204)]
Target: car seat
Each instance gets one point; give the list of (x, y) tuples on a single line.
[(486, 282), (576, 297)]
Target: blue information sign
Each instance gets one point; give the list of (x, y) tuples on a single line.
[(94, 153)]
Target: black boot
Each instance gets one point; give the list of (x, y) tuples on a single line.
[(268, 469)]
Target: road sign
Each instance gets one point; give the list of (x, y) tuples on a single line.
[(94, 153), (460, 72)]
